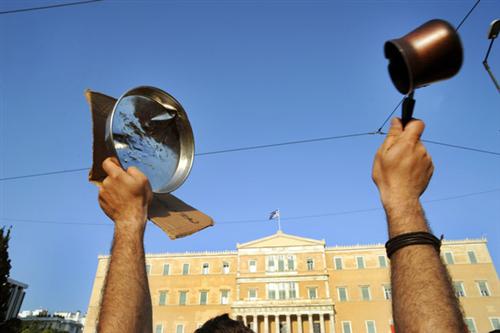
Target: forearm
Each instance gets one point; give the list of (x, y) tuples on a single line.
[(126, 305), (420, 282)]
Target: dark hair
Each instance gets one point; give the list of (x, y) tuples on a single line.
[(223, 324)]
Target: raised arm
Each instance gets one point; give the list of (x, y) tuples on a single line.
[(126, 304), (423, 297)]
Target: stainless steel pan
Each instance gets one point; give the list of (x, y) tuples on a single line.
[(150, 130)]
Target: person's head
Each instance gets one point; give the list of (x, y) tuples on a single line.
[(223, 324)]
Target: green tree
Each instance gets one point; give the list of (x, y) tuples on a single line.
[(4, 271), (12, 325)]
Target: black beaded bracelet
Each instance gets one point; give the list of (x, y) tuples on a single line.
[(412, 238)]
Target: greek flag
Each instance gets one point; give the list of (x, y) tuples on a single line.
[(274, 215)]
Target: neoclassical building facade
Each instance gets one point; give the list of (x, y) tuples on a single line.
[(290, 284)]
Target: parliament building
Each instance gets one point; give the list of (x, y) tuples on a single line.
[(290, 284)]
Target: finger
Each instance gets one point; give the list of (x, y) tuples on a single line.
[(413, 130), (136, 173), (395, 131), (112, 168)]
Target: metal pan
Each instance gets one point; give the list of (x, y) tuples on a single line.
[(150, 130)]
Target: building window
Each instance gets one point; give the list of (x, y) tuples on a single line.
[(281, 264), (225, 267), (338, 263), (291, 263), (312, 292), (293, 290), (495, 323), (365, 293), (472, 257), (282, 290), (185, 269), (203, 297), (252, 294), (387, 291), (148, 269), (179, 328), (282, 293), (270, 264), (162, 298), (252, 266), (182, 297), (471, 325), (310, 264), (166, 269), (483, 288), (346, 327), (159, 328), (370, 326), (459, 289), (204, 269), (360, 261), (342, 292), (448, 258), (224, 297), (271, 291), (382, 262)]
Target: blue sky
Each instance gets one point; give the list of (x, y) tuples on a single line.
[(248, 73)]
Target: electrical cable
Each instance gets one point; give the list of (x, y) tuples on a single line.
[(290, 218), (263, 147), (287, 143), (43, 174), (467, 15), (389, 116), (48, 7), (462, 147), (455, 146)]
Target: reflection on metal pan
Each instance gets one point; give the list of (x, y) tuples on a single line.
[(149, 129)]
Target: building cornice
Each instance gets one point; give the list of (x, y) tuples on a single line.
[(358, 247)]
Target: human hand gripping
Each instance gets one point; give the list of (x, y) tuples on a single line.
[(124, 196), (402, 168)]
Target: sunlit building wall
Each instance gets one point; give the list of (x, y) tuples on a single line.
[(289, 284)]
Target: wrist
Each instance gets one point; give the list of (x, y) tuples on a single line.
[(130, 229), (404, 216)]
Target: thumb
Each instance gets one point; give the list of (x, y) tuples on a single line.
[(396, 127)]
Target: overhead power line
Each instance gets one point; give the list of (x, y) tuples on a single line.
[(467, 15), (280, 144), (288, 143), (462, 147), (214, 152), (44, 174), (455, 146), (48, 7), (299, 217)]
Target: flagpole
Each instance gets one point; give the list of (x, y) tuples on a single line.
[(279, 220)]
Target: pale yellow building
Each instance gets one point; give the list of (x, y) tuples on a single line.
[(289, 284)]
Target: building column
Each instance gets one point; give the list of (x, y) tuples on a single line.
[(255, 324), (245, 320), (322, 322), (310, 317), (266, 324), (288, 324), (299, 322), (332, 323), (277, 323)]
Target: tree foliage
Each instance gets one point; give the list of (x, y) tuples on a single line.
[(4, 271)]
